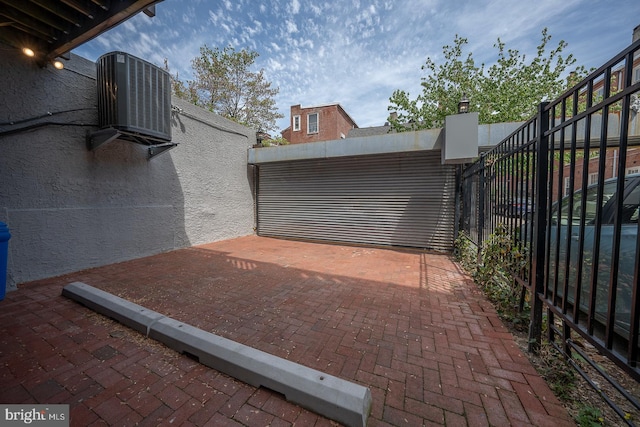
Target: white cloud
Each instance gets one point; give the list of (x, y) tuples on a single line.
[(291, 27), (358, 52), (129, 25), (214, 17), (274, 65)]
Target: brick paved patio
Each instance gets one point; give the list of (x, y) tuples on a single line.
[(408, 325)]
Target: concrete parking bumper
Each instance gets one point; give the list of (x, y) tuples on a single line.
[(327, 395)]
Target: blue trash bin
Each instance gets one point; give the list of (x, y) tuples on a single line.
[(4, 254)]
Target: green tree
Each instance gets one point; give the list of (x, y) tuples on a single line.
[(179, 88), (508, 90), (274, 142), (224, 83)]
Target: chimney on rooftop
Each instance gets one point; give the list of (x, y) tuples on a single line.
[(636, 34)]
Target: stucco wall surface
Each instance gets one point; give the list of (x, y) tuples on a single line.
[(69, 208)]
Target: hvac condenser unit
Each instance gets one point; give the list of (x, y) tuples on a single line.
[(134, 102)]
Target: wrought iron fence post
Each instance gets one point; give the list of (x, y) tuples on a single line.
[(458, 198), (481, 206), (539, 229)]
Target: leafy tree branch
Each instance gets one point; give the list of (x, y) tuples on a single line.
[(508, 90), (225, 84)]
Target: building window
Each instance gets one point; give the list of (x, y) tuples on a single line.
[(632, 170), (636, 75), (593, 178), (296, 123), (312, 123)]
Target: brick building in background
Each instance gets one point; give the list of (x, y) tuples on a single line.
[(318, 123)]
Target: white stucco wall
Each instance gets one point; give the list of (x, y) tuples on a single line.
[(68, 208)]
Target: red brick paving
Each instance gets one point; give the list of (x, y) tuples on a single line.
[(408, 325)]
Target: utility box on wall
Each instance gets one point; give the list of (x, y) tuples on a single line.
[(133, 96), (460, 139)]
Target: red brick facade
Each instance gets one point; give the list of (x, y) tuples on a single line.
[(612, 161), (332, 123)]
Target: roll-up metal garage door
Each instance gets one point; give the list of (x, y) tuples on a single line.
[(404, 199)]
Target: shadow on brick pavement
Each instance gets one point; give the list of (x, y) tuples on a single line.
[(407, 324)]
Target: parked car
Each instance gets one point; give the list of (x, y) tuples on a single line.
[(517, 207), (562, 233)]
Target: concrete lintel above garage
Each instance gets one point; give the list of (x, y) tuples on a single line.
[(377, 144), (424, 140)]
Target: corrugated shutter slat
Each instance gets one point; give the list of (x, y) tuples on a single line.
[(402, 199)]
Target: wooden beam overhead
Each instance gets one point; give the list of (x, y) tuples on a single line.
[(119, 12), (38, 14), (69, 15), (54, 28), (82, 7)]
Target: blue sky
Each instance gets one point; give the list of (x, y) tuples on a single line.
[(357, 52)]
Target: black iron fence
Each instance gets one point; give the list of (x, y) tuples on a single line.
[(566, 187)]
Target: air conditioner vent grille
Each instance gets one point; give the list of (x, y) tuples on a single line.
[(134, 96)]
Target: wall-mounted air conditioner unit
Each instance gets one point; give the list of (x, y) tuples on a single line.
[(134, 102)]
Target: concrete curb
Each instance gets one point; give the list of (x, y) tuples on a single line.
[(129, 314), (329, 396)]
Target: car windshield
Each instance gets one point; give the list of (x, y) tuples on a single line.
[(630, 205)]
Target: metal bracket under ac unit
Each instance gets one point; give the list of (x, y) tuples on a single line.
[(104, 136)]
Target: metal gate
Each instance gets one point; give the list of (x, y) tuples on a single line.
[(404, 199)]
